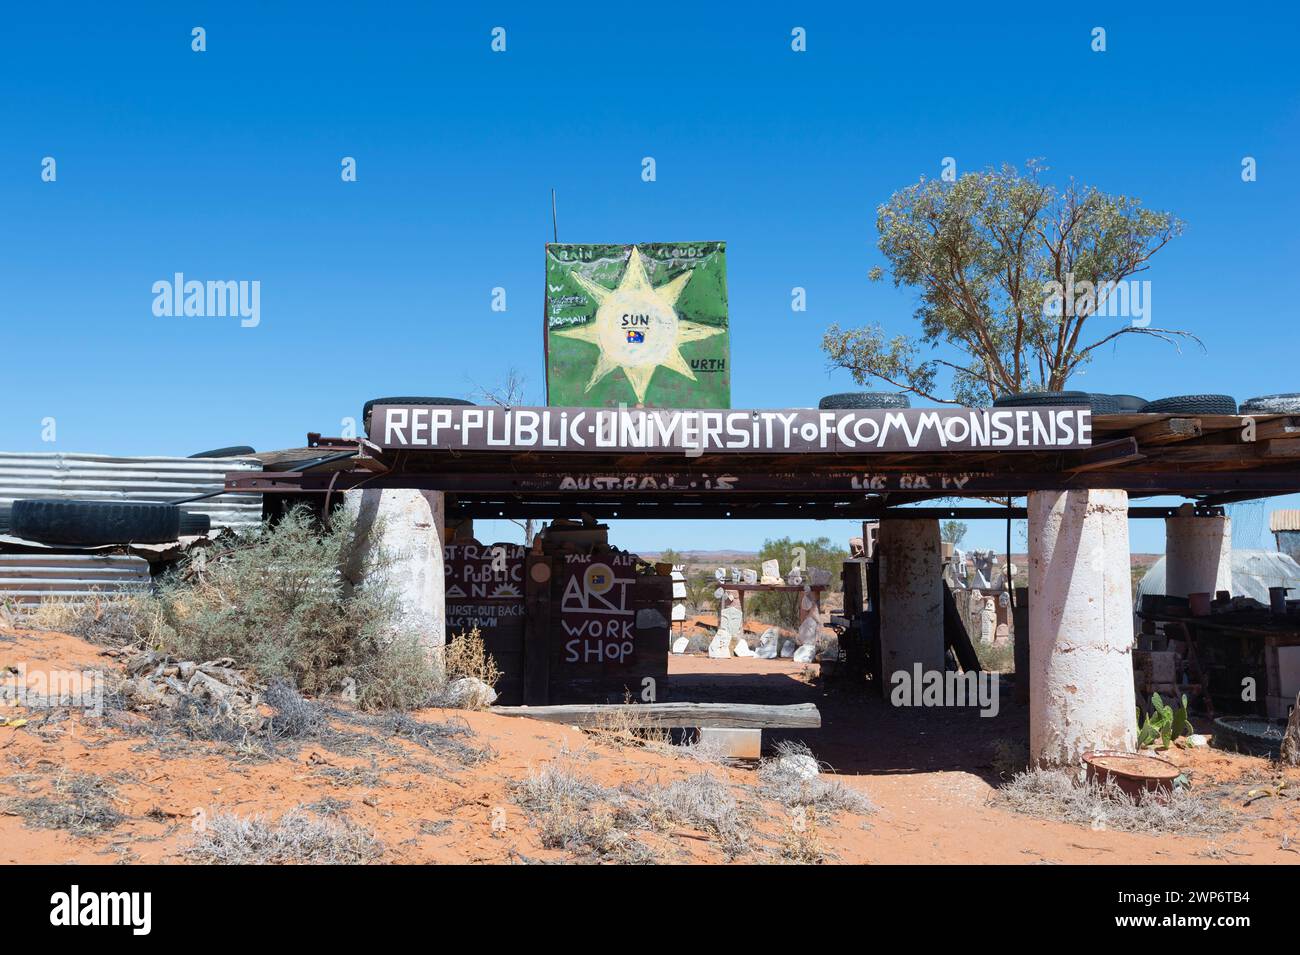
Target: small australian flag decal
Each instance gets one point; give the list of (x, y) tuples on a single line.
[(634, 337)]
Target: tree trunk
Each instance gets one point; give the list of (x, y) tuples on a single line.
[(1291, 738)]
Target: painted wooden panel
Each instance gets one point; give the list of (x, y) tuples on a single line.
[(641, 325)]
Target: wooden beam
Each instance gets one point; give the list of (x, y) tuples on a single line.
[(669, 715), (1168, 431), (1277, 448), (1107, 454), (538, 571), (1277, 428)]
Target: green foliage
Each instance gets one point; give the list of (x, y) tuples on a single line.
[(699, 592), (278, 602), (782, 609), (670, 556), (952, 532), (983, 253), (1163, 723)]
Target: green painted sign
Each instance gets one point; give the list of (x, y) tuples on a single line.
[(641, 325)]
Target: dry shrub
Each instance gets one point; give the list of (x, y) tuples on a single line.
[(619, 726), (280, 601), (467, 656), (997, 657), (81, 803), (445, 739), (114, 620), (779, 779), (1057, 794), (297, 838), (396, 674), (801, 842), (702, 802), (579, 815)]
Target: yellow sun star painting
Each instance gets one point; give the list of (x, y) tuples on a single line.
[(638, 328)]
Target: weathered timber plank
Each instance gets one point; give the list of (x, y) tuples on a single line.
[(1168, 431), (735, 715)]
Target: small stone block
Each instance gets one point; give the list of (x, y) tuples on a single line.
[(736, 743)]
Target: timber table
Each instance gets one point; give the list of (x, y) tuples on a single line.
[(742, 589)]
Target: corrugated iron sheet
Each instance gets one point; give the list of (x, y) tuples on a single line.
[(101, 477), (1284, 521), (31, 578)]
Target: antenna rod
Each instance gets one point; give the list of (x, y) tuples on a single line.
[(555, 226)]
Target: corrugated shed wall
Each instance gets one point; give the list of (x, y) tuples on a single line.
[(1285, 520), (30, 578), (101, 477)]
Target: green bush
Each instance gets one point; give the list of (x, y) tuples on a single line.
[(277, 601), (782, 609)]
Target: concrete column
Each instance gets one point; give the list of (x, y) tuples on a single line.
[(1198, 555), (402, 530), (1080, 626), (911, 596)]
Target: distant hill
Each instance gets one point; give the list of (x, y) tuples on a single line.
[(710, 560)]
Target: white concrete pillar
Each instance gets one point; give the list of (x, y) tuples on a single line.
[(1198, 555), (911, 596), (402, 530), (1080, 626)]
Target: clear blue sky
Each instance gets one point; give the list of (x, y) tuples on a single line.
[(225, 165)]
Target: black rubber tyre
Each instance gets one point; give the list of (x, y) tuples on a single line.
[(193, 525), (1042, 399), (1272, 404), (92, 523), (1104, 404), (1249, 734), (1128, 404), (864, 399), (232, 452), (1193, 404), (369, 405)]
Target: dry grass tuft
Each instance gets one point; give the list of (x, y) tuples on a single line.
[(618, 726), (702, 802), (114, 620), (780, 780), (466, 656), (1057, 794), (297, 838), (574, 813), (444, 739), (81, 803), (801, 842)]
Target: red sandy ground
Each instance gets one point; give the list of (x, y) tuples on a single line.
[(928, 771)]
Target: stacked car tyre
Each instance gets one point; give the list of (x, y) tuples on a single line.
[(1193, 404), (370, 405), (1272, 404), (863, 399), (96, 523)]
